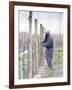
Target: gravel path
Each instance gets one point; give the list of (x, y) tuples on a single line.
[(45, 72)]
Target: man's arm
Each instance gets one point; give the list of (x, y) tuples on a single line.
[(48, 43)]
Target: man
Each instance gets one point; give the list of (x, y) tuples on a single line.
[(48, 44)]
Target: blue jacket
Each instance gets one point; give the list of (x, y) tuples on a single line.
[(48, 43)]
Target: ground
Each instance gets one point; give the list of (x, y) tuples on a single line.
[(45, 71)]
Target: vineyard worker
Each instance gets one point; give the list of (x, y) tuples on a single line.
[(48, 44)]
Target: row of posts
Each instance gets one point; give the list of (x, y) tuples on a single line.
[(33, 65)]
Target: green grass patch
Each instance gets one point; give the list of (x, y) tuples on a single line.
[(58, 56)]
